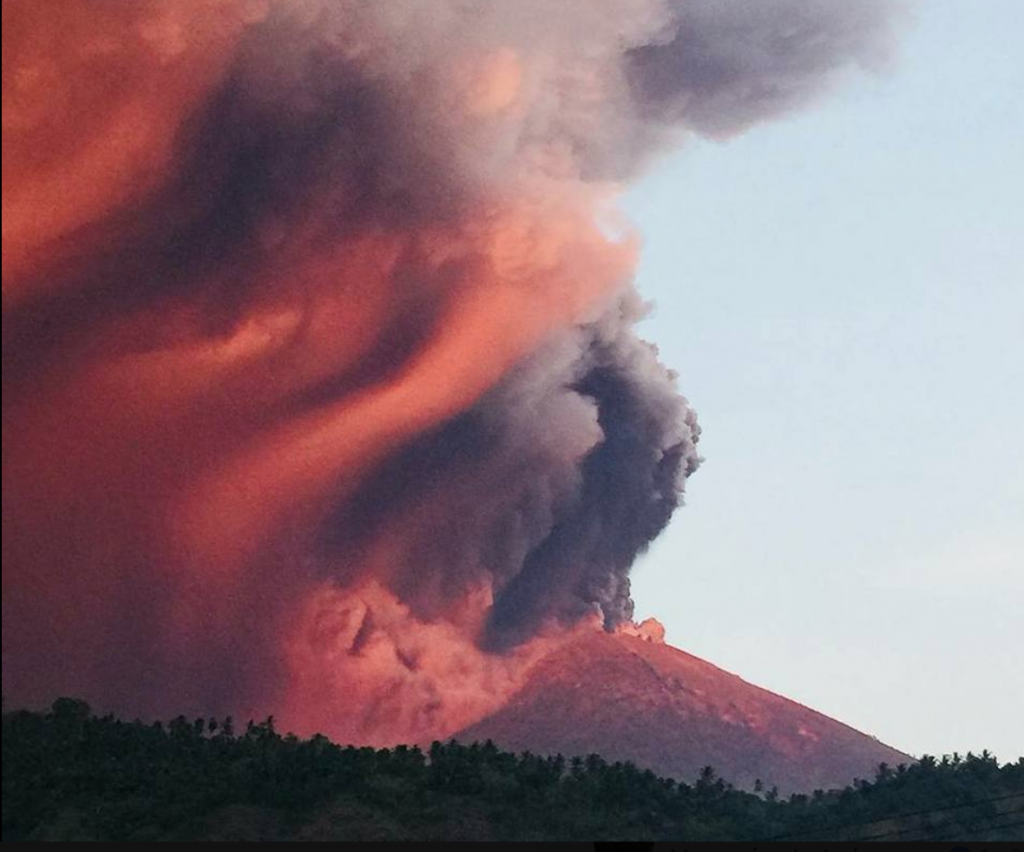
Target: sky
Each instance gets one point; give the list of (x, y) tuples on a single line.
[(842, 295)]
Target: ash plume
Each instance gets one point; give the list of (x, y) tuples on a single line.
[(322, 394)]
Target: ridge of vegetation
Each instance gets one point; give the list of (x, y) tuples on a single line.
[(69, 775)]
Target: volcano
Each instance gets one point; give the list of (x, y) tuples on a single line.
[(324, 389), (634, 698)]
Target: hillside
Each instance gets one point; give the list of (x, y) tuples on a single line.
[(665, 710)]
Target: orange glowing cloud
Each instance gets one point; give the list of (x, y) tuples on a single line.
[(322, 396)]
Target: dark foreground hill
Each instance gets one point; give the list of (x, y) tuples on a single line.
[(643, 701), (70, 776)]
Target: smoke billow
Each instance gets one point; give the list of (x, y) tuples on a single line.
[(322, 394)]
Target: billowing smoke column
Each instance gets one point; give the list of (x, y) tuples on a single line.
[(321, 395)]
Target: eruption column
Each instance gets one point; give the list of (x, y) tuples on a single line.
[(322, 395)]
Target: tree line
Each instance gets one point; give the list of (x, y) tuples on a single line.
[(70, 775)]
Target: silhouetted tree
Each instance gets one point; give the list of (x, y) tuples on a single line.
[(68, 775)]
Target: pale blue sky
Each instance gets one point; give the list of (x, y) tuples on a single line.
[(842, 294)]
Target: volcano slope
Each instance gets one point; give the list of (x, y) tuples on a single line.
[(632, 698)]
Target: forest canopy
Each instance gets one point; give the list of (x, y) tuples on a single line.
[(69, 775)]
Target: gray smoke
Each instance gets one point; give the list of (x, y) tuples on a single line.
[(550, 486), (321, 381), (721, 67)]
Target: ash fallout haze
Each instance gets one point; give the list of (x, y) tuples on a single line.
[(322, 390)]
